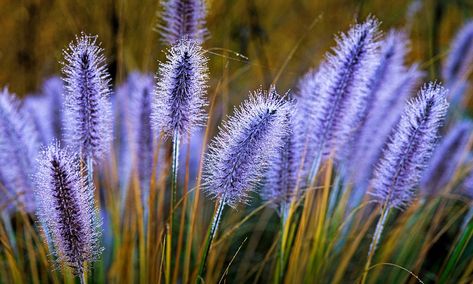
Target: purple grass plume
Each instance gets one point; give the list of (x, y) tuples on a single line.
[(192, 151), (447, 158), (410, 148), (183, 19), (390, 86), (460, 58), (66, 207), (179, 99), (39, 109), (282, 175), (88, 121), (239, 155), (141, 93), (344, 80), (46, 110), (308, 100), (53, 89), (378, 128), (18, 147)]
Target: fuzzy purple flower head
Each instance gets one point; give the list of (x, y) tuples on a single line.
[(391, 85), (410, 148), (179, 99), (66, 207), (447, 158), (87, 118), (183, 19), (344, 80), (18, 147), (286, 175), (460, 58), (238, 156), (140, 87)]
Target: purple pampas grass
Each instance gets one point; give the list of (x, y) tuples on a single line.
[(183, 19), (88, 123), (66, 207), (447, 158), (18, 146), (410, 148), (460, 58), (239, 155), (344, 80), (178, 104)]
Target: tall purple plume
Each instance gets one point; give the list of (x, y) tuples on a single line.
[(390, 86), (238, 156), (287, 172), (460, 57), (141, 93), (447, 158), (183, 19), (53, 89), (87, 117), (179, 99), (46, 110), (344, 80), (410, 148), (66, 207), (18, 147)]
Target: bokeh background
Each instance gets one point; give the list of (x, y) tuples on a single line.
[(268, 34)]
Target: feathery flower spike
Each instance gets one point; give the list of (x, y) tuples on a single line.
[(239, 155), (447, 158), (179, 99), (66, 207), (410, 148), (18, 146), (391, 84), (460, 58), (53, 89), (344, 85), (87, 118), (141, 93), (287, 170), (183, 19)]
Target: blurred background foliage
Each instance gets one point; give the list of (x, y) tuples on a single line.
[(250, 40)]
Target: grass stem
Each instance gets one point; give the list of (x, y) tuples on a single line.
[(210, 237), (374, 242)]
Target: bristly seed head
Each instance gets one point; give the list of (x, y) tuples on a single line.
[(179, 99), (183, 19), (18, 147), (410, 148), (66, 207), (87, 119), (343, 82), (238, 156)]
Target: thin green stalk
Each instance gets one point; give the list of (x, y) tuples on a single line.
[(374, 242), (83, 273), (284, 213), (210, 236), (338, 183), (174, 170), (175, 164)]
